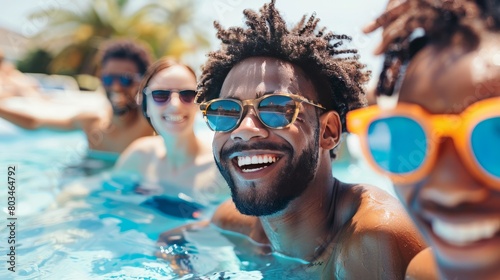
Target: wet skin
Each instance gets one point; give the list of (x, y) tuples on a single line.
[(117, 132), (177, 161), (260, 189), (105, 132), (446, 81), (345, 231)]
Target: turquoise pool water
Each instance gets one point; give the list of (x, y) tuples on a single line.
[(110, 234)]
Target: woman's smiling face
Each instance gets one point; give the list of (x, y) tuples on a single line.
[(173, 116)]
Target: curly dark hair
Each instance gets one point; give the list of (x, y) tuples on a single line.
[(439, 22), (336, 73), (127, 49)]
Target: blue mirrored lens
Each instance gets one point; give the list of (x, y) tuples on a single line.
[(397, 144), (107, 80), (485, 141), (223, 115), (126, 81), (276, 111)]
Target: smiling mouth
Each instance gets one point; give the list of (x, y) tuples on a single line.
[(464, 234), (255, 163), (174, 119)]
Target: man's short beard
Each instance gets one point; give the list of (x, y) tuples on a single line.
[(120, 111), (290, 183)]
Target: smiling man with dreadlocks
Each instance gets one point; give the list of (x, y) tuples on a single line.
[(277, 99)]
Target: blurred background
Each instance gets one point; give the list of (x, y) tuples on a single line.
[(62, 37)]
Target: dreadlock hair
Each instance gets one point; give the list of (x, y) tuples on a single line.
[(336, 73), (127, 49), (441, 22)]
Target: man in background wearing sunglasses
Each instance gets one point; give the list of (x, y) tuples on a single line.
[(277, 99), (122, 65)]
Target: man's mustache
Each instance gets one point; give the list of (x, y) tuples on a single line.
[(259, 145)]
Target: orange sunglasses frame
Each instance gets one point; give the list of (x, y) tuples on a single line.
[(435, 126)]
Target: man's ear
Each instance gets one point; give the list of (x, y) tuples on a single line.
[(330, 130)]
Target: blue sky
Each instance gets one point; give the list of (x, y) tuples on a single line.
[(340, 16)]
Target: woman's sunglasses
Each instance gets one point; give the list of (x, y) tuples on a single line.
[(124, 79), (403, 142), (275, 111), (162, 96)]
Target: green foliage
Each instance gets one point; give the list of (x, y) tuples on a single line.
[(74, 36), (36, 61)]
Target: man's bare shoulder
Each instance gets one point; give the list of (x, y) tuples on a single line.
[(381, 215), (423, 266), (227, 217), (377, 209), (380, 239)]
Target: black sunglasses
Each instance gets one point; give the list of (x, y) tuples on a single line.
[(161, 96), (124, 79)]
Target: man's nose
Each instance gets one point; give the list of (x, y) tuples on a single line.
[(115, 96), (116, 86), (250, 127), (450, 183)]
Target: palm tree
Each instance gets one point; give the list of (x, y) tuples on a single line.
[(74, 36)]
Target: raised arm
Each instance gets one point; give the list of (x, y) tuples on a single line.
[(31, 121)]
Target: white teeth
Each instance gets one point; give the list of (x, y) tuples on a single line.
[(266, 159), (173, 118), (257, 159), (252, 170), (464, 234)]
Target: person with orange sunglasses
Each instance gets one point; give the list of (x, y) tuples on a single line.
[(436, 130)]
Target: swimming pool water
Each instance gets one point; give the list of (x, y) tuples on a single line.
[(109, 233)]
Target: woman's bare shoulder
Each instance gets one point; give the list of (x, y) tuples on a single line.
[(147, 145), (140, 151)]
